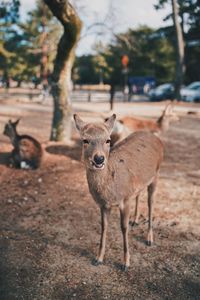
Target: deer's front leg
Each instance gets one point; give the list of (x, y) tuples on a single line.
[(125, 214), (15, 159), (104, 226)]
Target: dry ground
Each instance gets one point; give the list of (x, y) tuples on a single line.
[(50, 225)]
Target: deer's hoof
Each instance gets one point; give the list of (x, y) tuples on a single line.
[(133, 224), (124, 268), (96, 262), (149, 243)]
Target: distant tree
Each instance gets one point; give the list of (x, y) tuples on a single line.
[(9, 16), (41, 33), (150, 54), (9, 11), (29, 48), (192, 51), (84, 71), (180, 63), (189, 16), (61, 78)]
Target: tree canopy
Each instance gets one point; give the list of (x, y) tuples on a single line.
[(28, 48)]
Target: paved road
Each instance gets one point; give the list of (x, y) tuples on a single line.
[(136, 108)]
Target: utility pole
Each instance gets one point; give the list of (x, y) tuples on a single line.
[(125, 61)]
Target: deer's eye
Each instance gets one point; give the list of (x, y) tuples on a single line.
[(108, 141), (85, 142)]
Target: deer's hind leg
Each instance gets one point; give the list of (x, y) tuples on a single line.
[(151, 190)]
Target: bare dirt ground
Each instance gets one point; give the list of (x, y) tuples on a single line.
[(50, 225)]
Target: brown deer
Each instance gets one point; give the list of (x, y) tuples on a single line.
[(27, 152), (117, 175), (160, 125), (132, 124)]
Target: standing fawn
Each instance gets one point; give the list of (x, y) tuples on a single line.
[(116, 176), (27, 152)]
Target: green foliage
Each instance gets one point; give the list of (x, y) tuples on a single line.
[(9, 11), (9, 14), (189, 11), (84, 70), (40, 37), (150, 54), (24, 45)]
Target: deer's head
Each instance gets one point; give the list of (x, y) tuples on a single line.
[(96, 141), (167, 116), (10, 128)]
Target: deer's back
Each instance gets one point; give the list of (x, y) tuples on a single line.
[(29, 149), (135, 124), (137, 158)]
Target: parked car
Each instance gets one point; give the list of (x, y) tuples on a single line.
[(191, 93), (162, 92)]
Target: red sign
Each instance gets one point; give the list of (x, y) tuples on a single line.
[(125, 60)]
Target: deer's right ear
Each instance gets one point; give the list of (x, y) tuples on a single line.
[(79, 123), (16, 122), (168, 109)]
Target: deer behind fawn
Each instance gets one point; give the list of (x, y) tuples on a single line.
[(27, 152), (116, 176), (132, 124)]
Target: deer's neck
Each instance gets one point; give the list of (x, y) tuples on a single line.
[(163, 124), (14, 139), (97, 179)]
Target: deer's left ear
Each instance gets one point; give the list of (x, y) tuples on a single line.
[(110, 122), (79, 122)]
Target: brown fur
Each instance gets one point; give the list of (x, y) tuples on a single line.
[(128, 168), (133, 124), (27, 152)]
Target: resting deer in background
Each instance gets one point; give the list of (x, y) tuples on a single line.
[(27, 152), (159, 126), (116, 176), (132, 124)]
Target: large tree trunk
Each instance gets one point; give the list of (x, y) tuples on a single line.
[(180, 67), (61, 78)]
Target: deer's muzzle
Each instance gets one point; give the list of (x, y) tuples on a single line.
[(98, 161)]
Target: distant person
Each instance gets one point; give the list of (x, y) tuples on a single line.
[(146, 88), (45, 90), (126, 93), (6, 80), (134, 89), (130, 92)]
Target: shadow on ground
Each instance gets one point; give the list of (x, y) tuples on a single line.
[(71, 152), (4, 158)]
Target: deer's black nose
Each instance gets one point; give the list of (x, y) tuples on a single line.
[(98, 159)]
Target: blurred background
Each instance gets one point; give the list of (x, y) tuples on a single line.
[(140, 60), (128, 46)]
